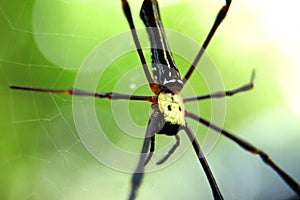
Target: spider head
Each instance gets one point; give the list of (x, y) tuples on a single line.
[(171, 105)]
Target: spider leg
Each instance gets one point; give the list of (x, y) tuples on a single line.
[(249, 147), (152, 148), (77, 92), (171, 151), (139, 171), (221, 94), (221, 15), (213, 184), (127, 12)]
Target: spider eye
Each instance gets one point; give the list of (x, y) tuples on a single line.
[(179, 108), (169, 107)]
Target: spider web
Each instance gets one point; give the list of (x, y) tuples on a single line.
[(43, 43), (41, 153)]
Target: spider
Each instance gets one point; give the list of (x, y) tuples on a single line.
[(169, 113)]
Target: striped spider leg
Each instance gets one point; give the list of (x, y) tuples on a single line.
[(100, 95)]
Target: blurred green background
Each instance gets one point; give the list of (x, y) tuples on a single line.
[(43, 44)]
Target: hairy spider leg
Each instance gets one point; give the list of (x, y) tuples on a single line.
[(249, 147), (127, 12), (212, 182), (221, 94), (221, 15), (77, 92), (139, 171)]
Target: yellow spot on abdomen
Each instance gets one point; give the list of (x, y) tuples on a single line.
[(171, 105)]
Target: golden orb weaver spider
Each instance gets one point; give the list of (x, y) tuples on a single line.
[(168, 108)]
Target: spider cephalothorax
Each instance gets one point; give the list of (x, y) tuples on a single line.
[(170, 113), (171, 105)]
